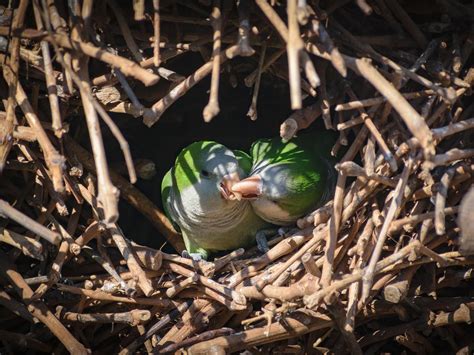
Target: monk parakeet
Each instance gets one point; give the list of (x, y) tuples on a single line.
[(288, 180), (197, 196)]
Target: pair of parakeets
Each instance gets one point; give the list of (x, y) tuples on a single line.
[(220, 199)]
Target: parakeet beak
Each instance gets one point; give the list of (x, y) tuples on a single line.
[(249, 188), (225, 187)]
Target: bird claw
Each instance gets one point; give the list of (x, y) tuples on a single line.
[(192, 256), (262, 243)]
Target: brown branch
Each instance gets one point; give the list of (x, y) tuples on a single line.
[(212, 108), (10, 212)]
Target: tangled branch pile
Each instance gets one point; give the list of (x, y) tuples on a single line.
[(378, 268)]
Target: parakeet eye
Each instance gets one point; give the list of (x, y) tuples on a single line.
[(205, 173)]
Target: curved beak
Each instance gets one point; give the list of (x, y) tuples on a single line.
[(225, 186), (249, 188)]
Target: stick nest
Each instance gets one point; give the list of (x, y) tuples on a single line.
[(384, 266)]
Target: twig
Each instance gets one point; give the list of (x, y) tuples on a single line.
[(50, 78), (376, 134), (243, 47), (14, 64), (391, 214), (38, 309), (379, 100), (441, 201), (179, 90), (252, 112), (293, 48), (212, 108), (10, 212), (156, 29), (407, 22), (334, 225), (132, 263), (417, 218), (133, 317), (210, 334), (139, 10), (103, 296), (54, 160), (134, 197), (28, 246)]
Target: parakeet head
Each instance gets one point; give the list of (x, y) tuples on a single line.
[(205, 172), (285, 182), (280, 193)]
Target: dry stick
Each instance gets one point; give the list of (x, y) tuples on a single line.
[(252, 112), (369, 273), (212, 108), (440, 202), (156, 31), (133, 196), (325, 105), (334, 225), (376, 134), (175, 313), (50, 78), (335, 56), (418, 218), (280, 26), (108, 193), (293, 48), (310, 266), (14, 64), (54, 160), (28, 246), (150, 118), (352, 169), (209, 283), (438, 134), (314, 299), (412, 119), (286, 246), (38, 309), (143, 282), (244, 49), (83, 84), (295, 325), (194, 319), (268, 278), (379, 100), (132, 317), (407, 23), (117, 235), (450, 156), (180, 286), (126, 66), (103, 296), (127, 34), (10, 212), (139, 10), (210, 334), (252, 77), (362, 66)]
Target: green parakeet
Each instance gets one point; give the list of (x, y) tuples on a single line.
[(197, 196), (288, 180)]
